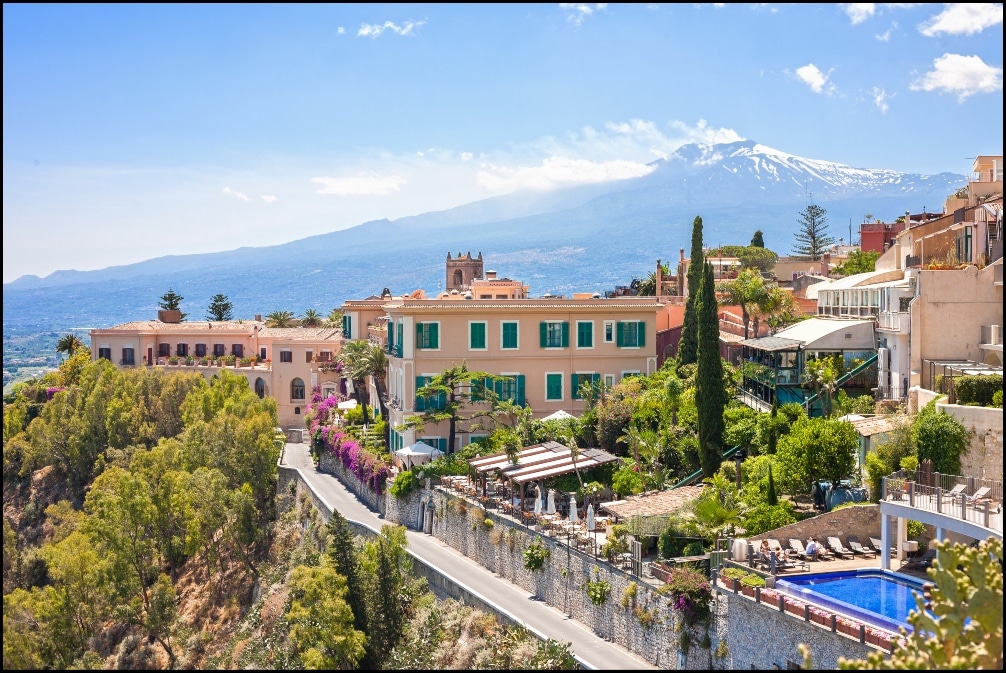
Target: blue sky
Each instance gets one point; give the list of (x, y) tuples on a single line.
[(131, 132)]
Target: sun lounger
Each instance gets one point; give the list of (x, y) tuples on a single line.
[(956, 490), (878, 547), (922, 562), (837, 549), (800, 550), (857, 548), (980, 497)]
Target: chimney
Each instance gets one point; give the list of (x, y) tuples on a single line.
[(682, 253), (825, 264), (258, 317), (169, 316), (490, 275)]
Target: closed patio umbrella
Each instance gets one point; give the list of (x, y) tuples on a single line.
[(550, 507), (537, 505), (590, 516), (573, 516)]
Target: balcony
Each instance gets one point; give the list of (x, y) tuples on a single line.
[(991, 335), (893, 322), (970, 501), (997, 274)]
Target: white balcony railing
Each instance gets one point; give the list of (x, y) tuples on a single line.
[(892, 321)]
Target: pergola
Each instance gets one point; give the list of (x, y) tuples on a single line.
[(535, 463)]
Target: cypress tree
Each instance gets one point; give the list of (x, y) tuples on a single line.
[(689, 345), (709, 393), (772, 498), (342, 553)]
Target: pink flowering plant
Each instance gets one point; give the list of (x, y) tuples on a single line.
[(369, 468), (690, 593)]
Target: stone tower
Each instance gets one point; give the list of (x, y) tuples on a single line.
[(462, 270)]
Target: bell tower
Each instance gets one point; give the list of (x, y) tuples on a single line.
[(462, 270)]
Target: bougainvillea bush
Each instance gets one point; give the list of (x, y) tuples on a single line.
[(691, 594), (369, 468)]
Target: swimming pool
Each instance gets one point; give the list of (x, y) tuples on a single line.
[(876, 598)]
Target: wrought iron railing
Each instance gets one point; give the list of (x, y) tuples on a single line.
[(971, 499)]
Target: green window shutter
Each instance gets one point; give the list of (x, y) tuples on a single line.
[(520, 389), (620, 334), (347, 327), (391, 338), (565, 334), (478, 335), (420, 328), (434, 336), (420, 401), (594, 378), (553, 387), (641, 333), (544, 334), (401, 330), (509, 335), (574, 386), (584, 335)]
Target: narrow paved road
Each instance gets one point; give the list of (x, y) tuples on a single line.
[(592, 651)]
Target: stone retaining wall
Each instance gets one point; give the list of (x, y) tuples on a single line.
[(863, 521), (331, 465), (984, 454)]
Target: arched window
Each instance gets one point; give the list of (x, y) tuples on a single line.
[(459, 278), (297, 389), (260, 387)]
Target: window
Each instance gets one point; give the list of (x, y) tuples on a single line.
[(286, 355), (127, 356), (510, 387), (609, 380), (347, 326), (182, 350), (201, 350), (630, 373), (477, 336), (325, 356), (584, 333), (579, 380), (219, 350), (308, 356), (509, 335), (553, 386), (428, 335), (163, 350), (262, 353), (609, 331), (554, 334), (238, 350), (436, 442), (400, 330), (297, 389), (630, 334), (428, 403), (104, 353), (260, 387)]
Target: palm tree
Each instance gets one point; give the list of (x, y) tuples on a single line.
[(69, 343), (311, 318), (377, 366), (747, 291), (334, 318), (355, 359), (279, 319)]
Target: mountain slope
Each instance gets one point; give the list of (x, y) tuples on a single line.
[(586, 238)]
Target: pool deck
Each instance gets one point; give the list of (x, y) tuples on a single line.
[(839, 565)]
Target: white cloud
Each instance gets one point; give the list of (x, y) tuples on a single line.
[(880, 98), (963, 19), (375, 30), (702, 133), (227, 191), (465, 156), (558, 172), (576, 12), (268, 198), (340, 31), (886, 35), (812, 76), (859, 11), (364, 184), (963, 75)]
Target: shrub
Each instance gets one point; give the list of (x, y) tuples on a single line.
[(734, 573), (764, 517), (997, 399), (691, 593), (753, 580), (405, 482), (535, 555), (597, 590), (978, 388), (941, 438), (629, 595)]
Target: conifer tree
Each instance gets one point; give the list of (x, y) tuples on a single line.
[(812, 237), (220, 308), (758, 240), (688, 347), (172, 301), (771, 497), (709, 392), (342, 553)]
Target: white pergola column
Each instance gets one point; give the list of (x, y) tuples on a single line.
[(885, 542)]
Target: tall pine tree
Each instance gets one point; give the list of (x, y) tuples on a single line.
[(689, 344), (709, 393)]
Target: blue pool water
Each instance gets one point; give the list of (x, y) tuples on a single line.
[(875, 597)]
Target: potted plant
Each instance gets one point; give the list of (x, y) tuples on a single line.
[(245, 362), (229, 360), (189, 360), (173, 360)]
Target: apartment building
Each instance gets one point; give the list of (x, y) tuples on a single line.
[(546, 347), (285, 364)]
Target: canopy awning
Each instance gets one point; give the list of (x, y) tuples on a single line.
[(558, 416), (541, 461)]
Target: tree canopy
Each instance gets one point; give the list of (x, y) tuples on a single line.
[(220, 308), (689, 344), (812, 237), (172, 301)]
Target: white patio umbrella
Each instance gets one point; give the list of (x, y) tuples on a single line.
[(537, 505), (573, 516), (590, 516), (558, 416), (345, 405), (418, 454), (550, 507)]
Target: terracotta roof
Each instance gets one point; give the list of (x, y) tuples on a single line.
[(188, 326), (654, 503), (527, 304), (302, 333)]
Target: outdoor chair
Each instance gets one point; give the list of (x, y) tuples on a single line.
[(921, 562), (878, 547), (956, 490), (838, 550), (858, 548), (822, 552), (980, 497)]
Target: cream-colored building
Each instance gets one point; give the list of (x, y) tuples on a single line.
[(547, 348), (285, 364)]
